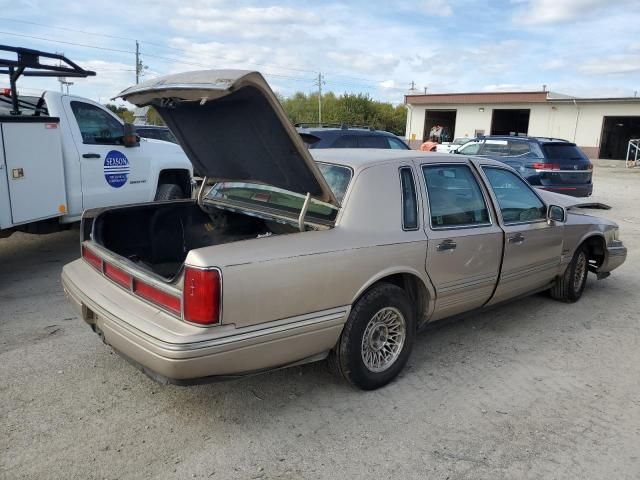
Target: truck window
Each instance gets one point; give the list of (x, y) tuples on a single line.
[(97, 126)]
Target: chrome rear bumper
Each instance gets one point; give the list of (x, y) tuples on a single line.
[(199, 357)]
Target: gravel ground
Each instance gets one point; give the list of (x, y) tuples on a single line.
[(534, 389)]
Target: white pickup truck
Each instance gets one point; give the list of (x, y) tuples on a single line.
[(61, 154)]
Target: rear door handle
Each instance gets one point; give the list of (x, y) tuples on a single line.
[(90, 155), (517, 239), (447, 245)]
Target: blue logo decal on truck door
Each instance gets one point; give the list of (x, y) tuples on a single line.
[(116, 168)]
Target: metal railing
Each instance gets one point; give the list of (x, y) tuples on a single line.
[(633, 153)]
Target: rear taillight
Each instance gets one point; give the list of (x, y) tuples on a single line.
[(91, 258), (118, 275), (201, 296), (545, 166), (156, 296)]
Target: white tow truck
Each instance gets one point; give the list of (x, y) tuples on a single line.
[(61, 154)]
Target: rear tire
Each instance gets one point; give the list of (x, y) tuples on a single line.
[(169, 191), (570, 285), (377, 339)]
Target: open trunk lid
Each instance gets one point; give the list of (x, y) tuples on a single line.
[(233, 128)]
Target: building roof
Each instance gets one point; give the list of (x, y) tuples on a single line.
[(506, 97), (477, 97)]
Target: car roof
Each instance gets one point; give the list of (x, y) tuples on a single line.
[(343, 131), (526, 138), (358, 158)]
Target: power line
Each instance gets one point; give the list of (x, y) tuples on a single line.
[(68, 43), (184, 62), (117, 37), (141, 41)]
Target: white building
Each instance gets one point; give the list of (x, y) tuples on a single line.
[(602, 127)]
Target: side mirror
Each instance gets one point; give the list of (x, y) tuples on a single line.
[(130, 137), (556, 214)]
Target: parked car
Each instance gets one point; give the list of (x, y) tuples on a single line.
[(451, 147), (299, 255), (156, 132), (546, 163), (344, 136)]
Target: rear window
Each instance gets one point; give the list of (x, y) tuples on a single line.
[(29, 105), (268, 197), (569, 152)]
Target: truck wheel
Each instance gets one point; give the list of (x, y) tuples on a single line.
[(169, 191), (570, 285), (377, 339)]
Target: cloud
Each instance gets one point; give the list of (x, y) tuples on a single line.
[(365, 61), (387, 85), (612, 65), (246, 22), (439, 8), (554, 64), (541, 12)]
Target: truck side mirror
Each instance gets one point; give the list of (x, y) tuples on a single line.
[(130, 137)]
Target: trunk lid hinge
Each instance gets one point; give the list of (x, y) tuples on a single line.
[(200, 195), (303, 212)]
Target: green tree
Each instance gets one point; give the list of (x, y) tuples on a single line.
[(123, 112), (348, 108)]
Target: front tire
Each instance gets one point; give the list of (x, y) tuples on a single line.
[(570, 285), (169, 191), (377, 339)]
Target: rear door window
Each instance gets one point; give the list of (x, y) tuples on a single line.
[(518, 203), (455, 198), (346, 141), (372, 141), (498, 148), (470, 148)]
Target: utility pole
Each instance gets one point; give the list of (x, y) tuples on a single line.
[(139, 65), (320, 81)]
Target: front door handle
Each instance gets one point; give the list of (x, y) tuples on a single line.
[(447, 245), (517, 239), (90, 155)]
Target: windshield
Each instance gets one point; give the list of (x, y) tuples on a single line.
[(267, 197)]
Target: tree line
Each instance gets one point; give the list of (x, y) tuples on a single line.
[(348, 108)]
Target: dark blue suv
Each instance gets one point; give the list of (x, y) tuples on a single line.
[(547, 163), (343, 136)]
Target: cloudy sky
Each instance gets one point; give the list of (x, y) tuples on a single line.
[(578, 47)]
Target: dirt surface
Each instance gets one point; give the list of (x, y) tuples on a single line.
[(534, 389)]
